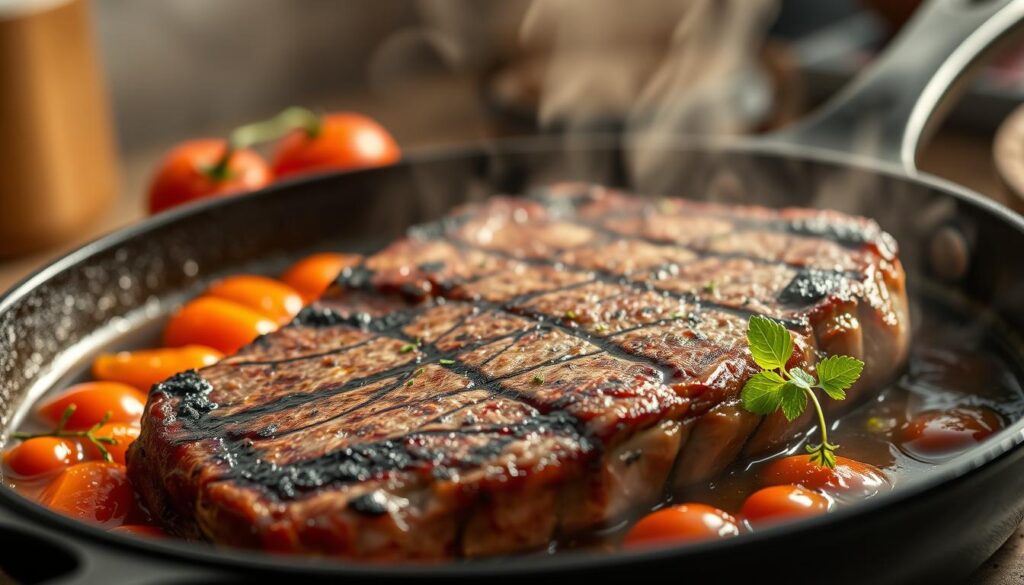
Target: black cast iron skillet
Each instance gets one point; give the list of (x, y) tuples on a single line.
[(936, 529)]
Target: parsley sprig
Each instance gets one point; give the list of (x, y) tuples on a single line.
[(775, 387), (88, 434)]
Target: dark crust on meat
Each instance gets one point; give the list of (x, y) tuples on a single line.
[(525, 367)]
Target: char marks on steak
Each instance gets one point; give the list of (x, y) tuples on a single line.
[(523, 369)]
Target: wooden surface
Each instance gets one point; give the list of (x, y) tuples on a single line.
[(965, 159)]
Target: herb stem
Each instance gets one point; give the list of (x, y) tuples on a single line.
[(88, 434), (821, 416)]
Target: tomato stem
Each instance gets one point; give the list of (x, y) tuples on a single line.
[(273, 128), (220, 170)]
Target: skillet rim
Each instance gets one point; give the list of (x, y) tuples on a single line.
[(90, 538)]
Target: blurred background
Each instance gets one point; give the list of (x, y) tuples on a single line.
[(95, 92)]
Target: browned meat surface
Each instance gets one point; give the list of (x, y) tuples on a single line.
[(524, 369)]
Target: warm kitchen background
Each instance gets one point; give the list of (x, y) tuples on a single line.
[(439, 73), (444, 72)]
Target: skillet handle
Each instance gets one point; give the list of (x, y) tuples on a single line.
[(32, 548), (888, 110)]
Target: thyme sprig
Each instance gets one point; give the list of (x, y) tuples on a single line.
[(88, 434)]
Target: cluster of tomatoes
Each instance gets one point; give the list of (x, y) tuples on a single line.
[(80, 463), (794, 487), (306, 143)]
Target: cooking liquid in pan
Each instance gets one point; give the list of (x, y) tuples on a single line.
[(959, 357)]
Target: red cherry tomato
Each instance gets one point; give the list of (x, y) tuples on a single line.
[(145, 367), (313, 274), (683, 523), (272, 298), (345, 141), (783, 502), (92, 401), (93, 491), (223, 325), (849, 476), (185, 174), (947, 432), (42, 455), (122, 433), (140, 530)]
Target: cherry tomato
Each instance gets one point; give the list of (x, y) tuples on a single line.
[(93, 491), (92, 401), (940, 433), (185, 174), (123, 433), (274, 299), (345, 141), (682, 523), (848, 477), (223, 325), (42, 455), (145, 367), (782, 502), (139, 530), (313, 274)]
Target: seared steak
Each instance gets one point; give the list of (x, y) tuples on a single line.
[(525, 368)]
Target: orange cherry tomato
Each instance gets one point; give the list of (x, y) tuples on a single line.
[(139, 530), (270, 297), (683, 523), (345, 141), (848, 477), (93, 491), (123, 433), (313, 274), (783, 502), (42, 455), (941, 433), (223, 325), (92, 401), (185, 174), (145, 367)]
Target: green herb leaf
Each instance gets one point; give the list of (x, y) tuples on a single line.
[(538, 379), (762, 394), (775, 388), (407, 347), (446, 362), (770, 343), (837, 373), (802, 379), (794, 400)]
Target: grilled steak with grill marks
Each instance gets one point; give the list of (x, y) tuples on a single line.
[(525, 368)]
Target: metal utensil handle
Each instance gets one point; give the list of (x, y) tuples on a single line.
[(888, 110)]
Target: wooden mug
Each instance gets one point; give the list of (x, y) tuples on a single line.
[(57, 162)]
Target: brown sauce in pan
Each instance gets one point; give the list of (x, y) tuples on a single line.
[(960, 358)]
